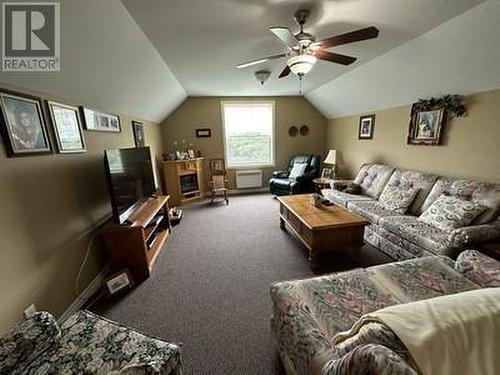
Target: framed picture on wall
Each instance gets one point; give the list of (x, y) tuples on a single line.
[(24, 129), (67, 127), (426, 127), (366, 125), (203, 133), (138, 129), (100, 121), (217, 165)]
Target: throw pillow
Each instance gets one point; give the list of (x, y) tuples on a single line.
[(448, 212), (298, 170), (398, 199), (353, 189), (490, 199)]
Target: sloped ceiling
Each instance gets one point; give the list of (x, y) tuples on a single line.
[(144, 57), (460, 56), (107, 63), (202, 41)]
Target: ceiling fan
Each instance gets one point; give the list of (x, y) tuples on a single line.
[(304, 50)]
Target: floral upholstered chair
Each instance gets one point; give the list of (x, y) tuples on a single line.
[(308, 314), (84, 344)]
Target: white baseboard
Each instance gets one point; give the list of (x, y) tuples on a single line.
[(84, 296)]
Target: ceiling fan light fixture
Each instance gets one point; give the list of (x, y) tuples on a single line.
[(301, 64)]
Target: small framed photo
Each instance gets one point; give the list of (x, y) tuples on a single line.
[(217, 165), (326, 173), (100, 121), (138, 129), (203, 133), (191, 154), (24, 130), (67, 127), (118, 282), (426, 127), (366, 125)]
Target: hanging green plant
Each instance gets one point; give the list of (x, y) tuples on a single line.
[(453, 104)]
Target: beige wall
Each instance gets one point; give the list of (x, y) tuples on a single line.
[(471, 145), (205, 112), (50, 205)]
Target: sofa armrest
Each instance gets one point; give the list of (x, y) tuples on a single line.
[(334, 181), (167, 361), (281, 174), (144, 369), (24, 343), (299, 337), (307, 177), (369, 359), (475, 233), (479, 268)]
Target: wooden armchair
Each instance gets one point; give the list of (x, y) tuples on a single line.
[(218, 185), (218, 180)]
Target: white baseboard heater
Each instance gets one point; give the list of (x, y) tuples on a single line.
[(246, 179)]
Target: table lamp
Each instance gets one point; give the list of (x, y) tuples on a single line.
[(331, 159)]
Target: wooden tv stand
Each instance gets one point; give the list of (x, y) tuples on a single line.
[(136, 244)]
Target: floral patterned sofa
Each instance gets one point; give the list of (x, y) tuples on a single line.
[(84, 344), (402, 235), (307, 314)]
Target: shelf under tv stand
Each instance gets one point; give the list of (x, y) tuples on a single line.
[(126, 245)]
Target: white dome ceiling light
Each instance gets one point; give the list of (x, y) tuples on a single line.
[(262, 75), (301, 64)]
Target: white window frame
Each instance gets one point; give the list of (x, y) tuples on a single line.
[(273, 138)]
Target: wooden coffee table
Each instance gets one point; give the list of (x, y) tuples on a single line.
[(322, 229)]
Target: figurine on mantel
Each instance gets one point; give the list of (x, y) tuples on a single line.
[(182, 151)]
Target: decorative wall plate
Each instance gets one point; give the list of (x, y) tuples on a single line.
[(293, 131), (304, 130)]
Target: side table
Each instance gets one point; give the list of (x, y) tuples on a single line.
[(322, 183), (325, 183)]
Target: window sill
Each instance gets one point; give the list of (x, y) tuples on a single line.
[(249, 166)]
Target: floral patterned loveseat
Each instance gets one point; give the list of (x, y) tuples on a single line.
[(402, 235), (84, 344), (307, 314)]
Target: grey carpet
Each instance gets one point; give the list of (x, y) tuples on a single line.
[(210, 286)]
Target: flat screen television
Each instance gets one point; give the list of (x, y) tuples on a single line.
[(130, 178)]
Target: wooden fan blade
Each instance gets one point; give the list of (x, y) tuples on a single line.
[(353, 36), (259, 61), (285, 35), (334, 57), (285, 72)]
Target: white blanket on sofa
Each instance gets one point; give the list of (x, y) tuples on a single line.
[(453, 334)]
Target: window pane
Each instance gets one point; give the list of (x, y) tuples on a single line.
[(245, 149), (248, 133)]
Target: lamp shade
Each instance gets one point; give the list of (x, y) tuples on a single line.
[(331, 158)]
